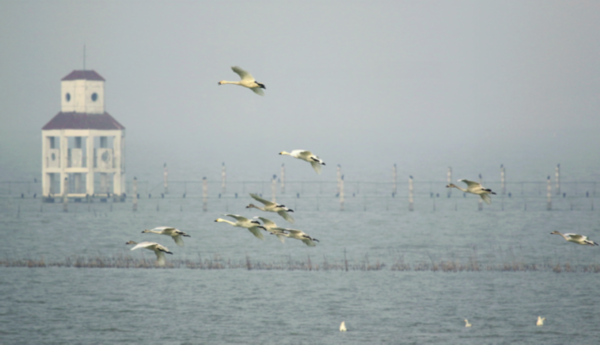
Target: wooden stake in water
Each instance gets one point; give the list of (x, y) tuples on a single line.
[(282, 179), (558, 179), (502, 179), (166, 178), (204, 194), (65, 195), (480, 201), (273, 188), (339, 179), (394, 180), (410, 193), (341, 184), (135, 194), (223, 176), (549, 194), (449, 179)]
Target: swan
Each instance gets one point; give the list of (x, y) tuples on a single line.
[(575, 238), (176, 234), (343, 326), (540, 321), (467, 324), (299, 235), (270, 227), (272, 207), (475, 188), (308, 156), (158, 249), (247, 81), (243, 222)]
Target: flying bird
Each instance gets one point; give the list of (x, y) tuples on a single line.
[(475, 188), (242, 222), (575, 238), (176, 234), (158, 249), (246, 81), (272, 207), (299, 235), (308, 156)]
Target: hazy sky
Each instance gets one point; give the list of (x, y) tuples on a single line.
[(364, 84)]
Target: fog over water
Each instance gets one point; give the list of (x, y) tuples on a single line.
[(424, 85)]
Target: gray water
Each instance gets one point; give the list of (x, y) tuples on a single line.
[(181, 305)]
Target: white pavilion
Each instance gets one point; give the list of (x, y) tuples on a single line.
[(83, 145)]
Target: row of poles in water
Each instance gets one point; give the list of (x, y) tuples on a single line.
[(340, 186)]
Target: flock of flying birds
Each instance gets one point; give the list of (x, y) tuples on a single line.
[(254, 225)]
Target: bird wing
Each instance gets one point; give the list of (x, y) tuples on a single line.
[(576, 237), (486, 198), (264, 201), (258, 91), (267, 222), (163, 228), (309, 242), (235, 216), (160, 258), (471, 184), (243, 74), (286, 216), (144, 244), (303, 154), (281, 237), (178, 240), (316, 166), (256, 232)]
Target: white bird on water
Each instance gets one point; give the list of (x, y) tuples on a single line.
[(343, 326), (475, 188), (308, 156), (272, 207), (158, 249), (299, 235), (575, 238), (246, 81), (271, 227), (242, 222), (467, 324), (540, 321), (176, 234)]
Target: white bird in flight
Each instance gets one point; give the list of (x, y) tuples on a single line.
[(308, 156), (176, 234), (270, 226), (475, 188), (299, 235), (575, 238), (158, 249), (246, 81), (272, 207), (242, 222)]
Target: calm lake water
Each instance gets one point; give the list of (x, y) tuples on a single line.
[(48, 305)]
